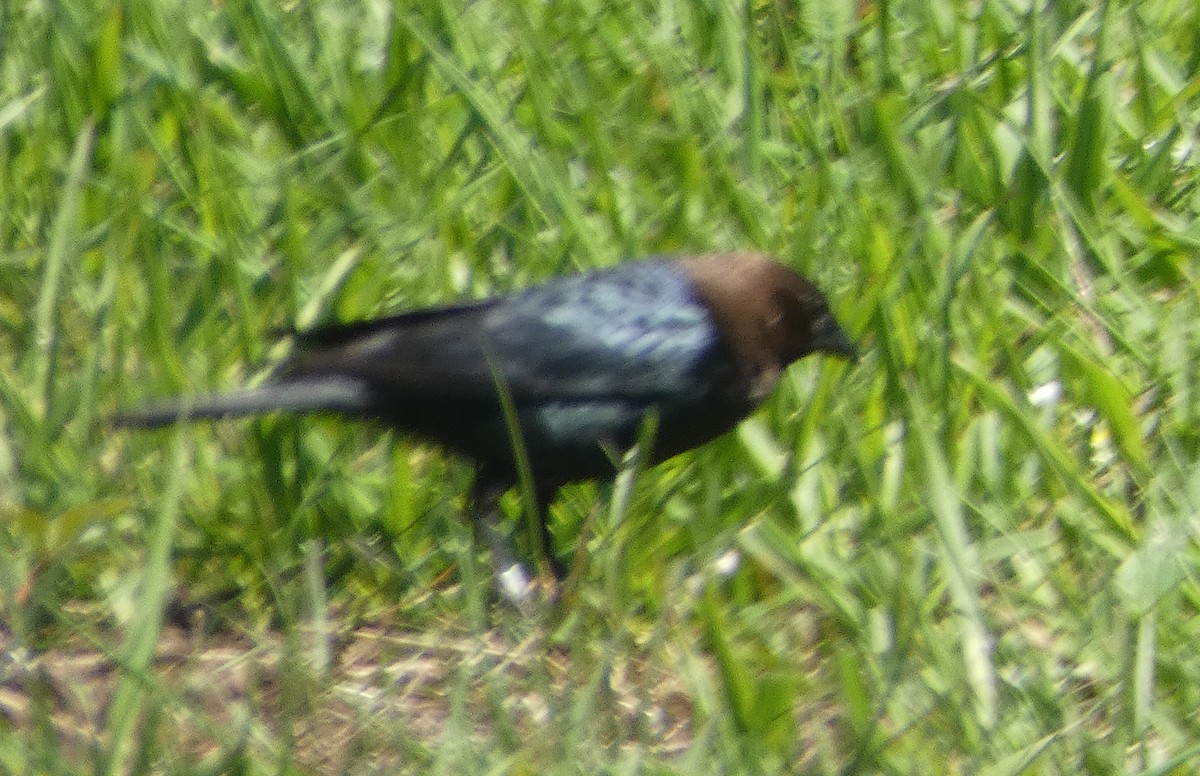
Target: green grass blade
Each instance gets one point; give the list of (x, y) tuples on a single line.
[(132, 696), (61, 256), (960, 558)]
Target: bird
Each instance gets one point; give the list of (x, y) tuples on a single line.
[(576, 363)]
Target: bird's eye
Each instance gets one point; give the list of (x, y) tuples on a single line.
[(787, 311)]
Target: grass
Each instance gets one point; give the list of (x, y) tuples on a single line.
[(972, 552)]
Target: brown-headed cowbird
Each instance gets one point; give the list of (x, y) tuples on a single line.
[(701, 341)]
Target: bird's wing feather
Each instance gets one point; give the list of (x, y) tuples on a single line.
[(634, 331), (341, 334), (637, 330)]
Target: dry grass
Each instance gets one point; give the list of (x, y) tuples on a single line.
[(217, 692)]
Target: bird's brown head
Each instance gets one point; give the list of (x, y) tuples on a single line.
[(770, 314)]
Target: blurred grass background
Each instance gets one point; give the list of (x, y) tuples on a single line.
[(972, 552)]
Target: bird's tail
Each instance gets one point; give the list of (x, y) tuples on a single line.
[(313, 394)]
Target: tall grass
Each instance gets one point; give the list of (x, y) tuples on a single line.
[(972, 552)]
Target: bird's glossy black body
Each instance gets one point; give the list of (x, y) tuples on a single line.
[(583, 358)]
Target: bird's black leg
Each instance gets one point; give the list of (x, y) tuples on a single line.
[(512, 578)]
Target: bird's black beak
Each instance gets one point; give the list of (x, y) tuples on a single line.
[(829, 337)]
